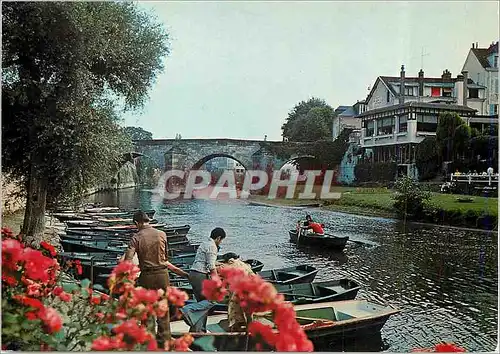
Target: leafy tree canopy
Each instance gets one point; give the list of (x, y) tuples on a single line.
[(65, 65), (137, 133), (309, 121)]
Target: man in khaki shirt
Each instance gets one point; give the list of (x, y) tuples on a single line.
[(150, 245)]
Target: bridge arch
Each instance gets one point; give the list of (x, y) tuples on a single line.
[(207, 158)]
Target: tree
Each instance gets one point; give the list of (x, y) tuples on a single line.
[(451, 135), (309, 121), (64, 67), (137, 133)]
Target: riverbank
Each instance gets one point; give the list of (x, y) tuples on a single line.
[(477, 213)]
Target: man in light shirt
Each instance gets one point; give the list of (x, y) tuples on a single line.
[(204, 262)]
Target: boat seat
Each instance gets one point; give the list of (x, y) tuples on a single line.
[(341, 316), (215, 328)]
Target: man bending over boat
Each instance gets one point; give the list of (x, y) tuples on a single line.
[(150, 244), (235, 315), (309, 224)]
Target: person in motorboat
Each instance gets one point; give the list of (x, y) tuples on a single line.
[(151, 247), (236, 317)]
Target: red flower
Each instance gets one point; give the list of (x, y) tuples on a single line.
[(48, 247), (213, 290), (9, 280), (152, 345), (57, 291), (65, 297), (176, 297), (78, 266), (96, 300), (30, 315), (11, 254), (29, 302), (131, 329), (266, 332), (104, 343), (447, 348), (51, 320)]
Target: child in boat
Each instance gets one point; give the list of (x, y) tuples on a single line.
[(236, 317)]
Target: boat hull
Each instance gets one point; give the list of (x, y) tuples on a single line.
[(326, 241), (292, 275)]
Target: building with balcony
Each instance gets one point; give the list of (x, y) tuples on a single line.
[(396, 119), (482, 66)]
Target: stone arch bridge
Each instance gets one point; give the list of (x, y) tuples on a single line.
[(168, 154), (188, 154)]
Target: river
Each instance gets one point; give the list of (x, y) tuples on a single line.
[(444, 280)]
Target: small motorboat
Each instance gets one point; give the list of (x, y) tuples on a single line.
[(312, 239), (291, 275), (326, 320)]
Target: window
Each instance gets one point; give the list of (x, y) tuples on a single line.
[(473, 93), (403, 123), (388, 99), (494, 84), (385, 126), (435, 91), (369, 125), (447, 92), (409, 91), (426, 123), (495, 108), (495, 61)]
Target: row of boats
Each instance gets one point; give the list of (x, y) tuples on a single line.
[(99, 236)]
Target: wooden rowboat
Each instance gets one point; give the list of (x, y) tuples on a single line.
[(117, 246), (312, 239), (298, 294), (291, 275), (87, 230), (331, 320), (119, 238)]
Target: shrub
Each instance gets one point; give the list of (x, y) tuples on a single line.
[(409, 197)]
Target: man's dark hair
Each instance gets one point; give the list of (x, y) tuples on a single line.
[(218, 232), (227, 256), (141, 217)]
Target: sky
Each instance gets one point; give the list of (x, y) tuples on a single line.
[(237, 68)]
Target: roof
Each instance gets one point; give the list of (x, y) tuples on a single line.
[(349, 112), (482, 54), (341, 108), (452, 107)]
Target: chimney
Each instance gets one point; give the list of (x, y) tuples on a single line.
[(466, 91), (402, 85), (421, 83), (446, 75)]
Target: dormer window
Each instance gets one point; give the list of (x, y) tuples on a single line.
[(473, 93), (409, 91)]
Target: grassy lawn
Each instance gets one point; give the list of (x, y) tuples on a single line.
[(378, 201)]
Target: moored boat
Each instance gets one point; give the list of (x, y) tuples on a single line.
[(291, 275), (170, 230), (312, 239), (331, 320), (309, 293), (171, 239)]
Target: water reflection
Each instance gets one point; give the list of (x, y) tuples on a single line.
[(444, 280)]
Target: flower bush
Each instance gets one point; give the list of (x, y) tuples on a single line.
[(77, 318), (256, 295)]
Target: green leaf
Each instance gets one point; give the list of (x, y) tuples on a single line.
[(10, 318), (69, 287), (85, 283)]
